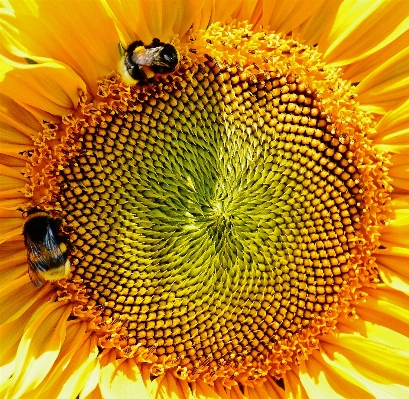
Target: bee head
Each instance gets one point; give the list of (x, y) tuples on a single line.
[(170, 57)]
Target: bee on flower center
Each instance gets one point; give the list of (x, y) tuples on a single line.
[(141, 63), (47, 253)]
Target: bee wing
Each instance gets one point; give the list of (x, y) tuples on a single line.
[(148, 57), (54, 255), (35, 278)]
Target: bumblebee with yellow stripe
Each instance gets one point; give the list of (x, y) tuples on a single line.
[(47, 254), (141, 63)]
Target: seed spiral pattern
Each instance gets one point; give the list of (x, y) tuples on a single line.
[(222, 211)]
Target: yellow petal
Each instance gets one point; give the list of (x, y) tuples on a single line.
[(374, 366), (13, 150), (268, 389), (287, 16), (393, 130), (293, 387), (393, 267), (17, 125), (10, 178), (13, 273), (387, 87), (139, 20), (311, 30), (95, 394), (399, 171), (11, 224), (13, 254), (357, 71), (17, 296), (396, 233), (225, 10), (11, 333), (39, 347), (321, 381), (90, 389), (201, 390), (361, 28), (122, 379), (173, 388), (79, 34), (77, 359), (47, 88), (387, 311)]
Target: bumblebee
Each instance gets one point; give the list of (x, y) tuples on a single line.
[(47, 254), (141, 63)]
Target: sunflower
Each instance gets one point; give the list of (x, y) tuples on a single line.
[(235, 228)]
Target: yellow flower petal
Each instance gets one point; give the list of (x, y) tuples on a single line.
[(39, 347), (11, 225), (90, 389), (78, 34), (201, 390), (321, 381), (399, 171), (14, 265), (122, 379), (73, 365), (95, 394), (393, 267), (11, 334), (361, 28), (357, 71), (17, 125), (15, 256), (50, 88), (387, 87), (287, 16), (312, 29), (173, 388), (393, 130), (135, 20), (20, 295), (374, 366), (396, 233), (383, 308), (293, 387), (11, 178), (14, 151), (269, 389), (225, 10)]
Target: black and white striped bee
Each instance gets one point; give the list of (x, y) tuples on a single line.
[(47, 254), (141, 63)]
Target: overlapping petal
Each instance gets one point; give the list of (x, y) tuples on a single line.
[(39, 347), (122, 378), (387, 87), (373, 366), (34, 29), (393, 267), (392, 131), (361, 28)]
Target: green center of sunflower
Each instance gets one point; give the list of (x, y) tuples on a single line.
[(222, 213)]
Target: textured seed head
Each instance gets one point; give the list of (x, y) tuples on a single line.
[(221, 217)]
